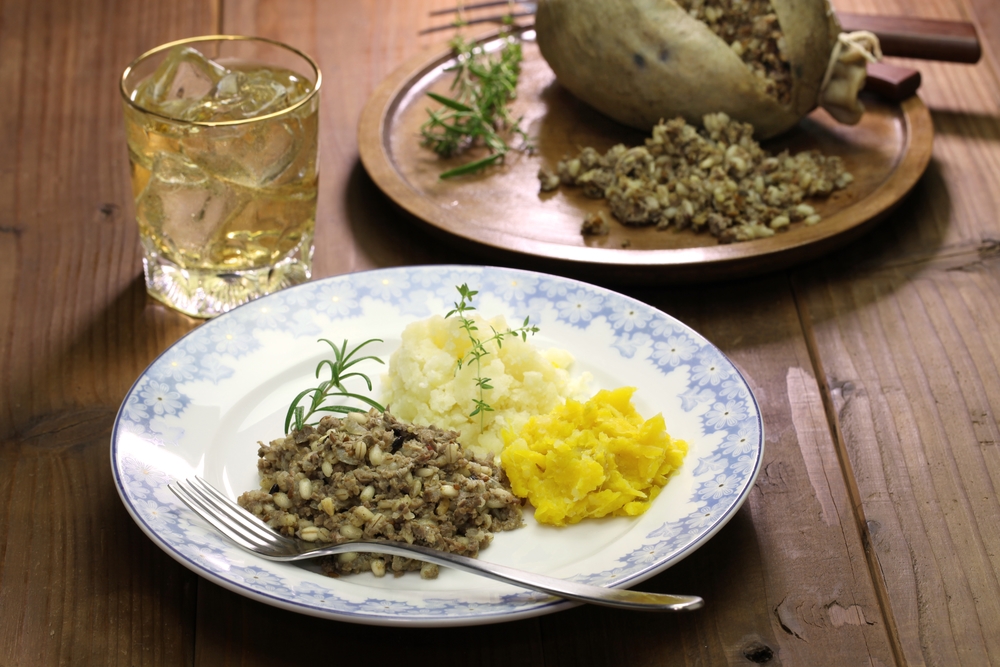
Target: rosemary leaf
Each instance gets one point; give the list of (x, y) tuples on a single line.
[(334, 387), (448, 102), (471, 167)]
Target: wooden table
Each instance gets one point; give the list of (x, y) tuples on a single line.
[(871, 536)]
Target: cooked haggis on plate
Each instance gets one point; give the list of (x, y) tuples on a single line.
[(371, 476)]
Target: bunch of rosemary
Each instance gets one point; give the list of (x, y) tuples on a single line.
[(478, 114), (332, 388)]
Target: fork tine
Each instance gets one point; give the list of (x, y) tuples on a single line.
[(208, 515), (488, 19), (478, 5), (236, 514)]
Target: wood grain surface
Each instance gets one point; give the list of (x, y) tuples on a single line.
[(871, 536)]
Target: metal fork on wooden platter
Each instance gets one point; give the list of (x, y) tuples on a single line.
[(250, 533)]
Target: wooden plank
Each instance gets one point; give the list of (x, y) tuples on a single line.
[(229, 633), (912, 367), (809, 575), (79, 583), (904, 324), (986, 18)]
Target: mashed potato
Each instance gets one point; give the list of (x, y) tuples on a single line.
[(423, 386), (593, 459)]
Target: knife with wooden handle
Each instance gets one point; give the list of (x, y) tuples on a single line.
[(900, 36), (926, 39), (907, 37)]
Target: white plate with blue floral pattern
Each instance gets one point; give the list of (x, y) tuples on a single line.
[(203, 405)]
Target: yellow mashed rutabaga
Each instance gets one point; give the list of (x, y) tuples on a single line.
[(593, 459), (423, 387)]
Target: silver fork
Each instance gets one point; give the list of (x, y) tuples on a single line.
[(460, 11), (252, 534)]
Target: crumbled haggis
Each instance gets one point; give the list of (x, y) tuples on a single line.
[(596, 224), (752, 31), (370, 476), (548, 181), (717, 179)]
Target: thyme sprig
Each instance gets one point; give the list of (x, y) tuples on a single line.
[(334, 387), (478, 114), (463, 309)]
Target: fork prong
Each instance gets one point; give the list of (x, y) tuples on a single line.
[(206, 513), (478, 5), (250, 531), (487, 19), (236, 514)]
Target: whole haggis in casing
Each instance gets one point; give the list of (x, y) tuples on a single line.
[(639, 61)]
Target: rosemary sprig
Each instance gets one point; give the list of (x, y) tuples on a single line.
[(462, 309), (478, 114), (342, 361)]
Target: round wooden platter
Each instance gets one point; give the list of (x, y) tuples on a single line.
[(502, 216)]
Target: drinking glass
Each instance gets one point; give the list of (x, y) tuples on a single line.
[(222, 141)]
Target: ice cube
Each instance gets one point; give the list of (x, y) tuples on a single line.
[(189, 86), (187, 208), (253, 155), (261, 93), (180, 84), (250, 93)]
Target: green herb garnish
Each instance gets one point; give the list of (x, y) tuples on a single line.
[(478, 351), (333, 387), (478, 114)]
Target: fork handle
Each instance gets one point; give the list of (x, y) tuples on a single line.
[(571, 590)]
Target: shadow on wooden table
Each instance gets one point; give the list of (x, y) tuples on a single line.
[(381, 232), (93, 363), (917, 228)]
